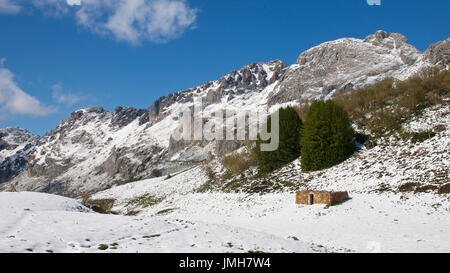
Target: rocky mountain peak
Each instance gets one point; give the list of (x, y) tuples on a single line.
[(394, 41), (347, 63), (125, 115), (253, 76), (250, 78), (381, 37), (78, 114), (439, 54)]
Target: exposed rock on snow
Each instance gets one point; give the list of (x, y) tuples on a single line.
[(439, 53), (15, 146)]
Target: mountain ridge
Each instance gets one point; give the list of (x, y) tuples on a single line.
[(95, 149)]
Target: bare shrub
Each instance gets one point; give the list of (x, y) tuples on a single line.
[(209, 172), (382, 108), (156, 173), (98, 205), (237, 163)]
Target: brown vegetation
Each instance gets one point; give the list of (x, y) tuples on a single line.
[(382, 108), (98, 205), (237, 163)]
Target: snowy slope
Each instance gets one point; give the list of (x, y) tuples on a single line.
[(387, 166), (34, 222), (380, 222)]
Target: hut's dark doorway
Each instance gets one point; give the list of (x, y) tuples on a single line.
[(311, 198)]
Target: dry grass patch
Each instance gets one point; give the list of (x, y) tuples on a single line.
[(144, 201)]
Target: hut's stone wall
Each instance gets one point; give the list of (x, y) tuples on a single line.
[(320, 197)]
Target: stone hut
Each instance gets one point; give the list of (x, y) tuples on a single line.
[(321, 197)]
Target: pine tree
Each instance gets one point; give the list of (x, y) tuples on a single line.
[(326, 137), (289, 148)]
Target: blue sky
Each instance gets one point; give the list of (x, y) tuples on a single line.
[(55, 57)]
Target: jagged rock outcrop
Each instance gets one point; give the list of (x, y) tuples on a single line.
[(118, 163), (15, 146), (439, 54), (125, 115), (253, 77)]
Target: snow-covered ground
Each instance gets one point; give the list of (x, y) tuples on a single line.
[(36, 222), (186, 221), (384, 222)]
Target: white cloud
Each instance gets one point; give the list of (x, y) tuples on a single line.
[(374, 2), (158, 21), (132, 21), (67, 99), (14, 101), (9, 7), (74, 2)]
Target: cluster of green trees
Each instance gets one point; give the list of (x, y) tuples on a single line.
[(323, 140), (289, 147)]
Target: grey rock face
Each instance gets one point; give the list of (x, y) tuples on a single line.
[(51, 168), (334, 66), (125, 115), (439, 53), (212, 97), (118, 163), (15, 146), (158, 110)]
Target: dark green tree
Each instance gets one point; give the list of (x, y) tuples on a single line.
[(289, 148), (326, 137)]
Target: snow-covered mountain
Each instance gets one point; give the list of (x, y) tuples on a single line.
[(173, 214), (15, 146), (95, 149)]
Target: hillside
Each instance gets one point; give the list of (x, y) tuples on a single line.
[(382, 215)]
